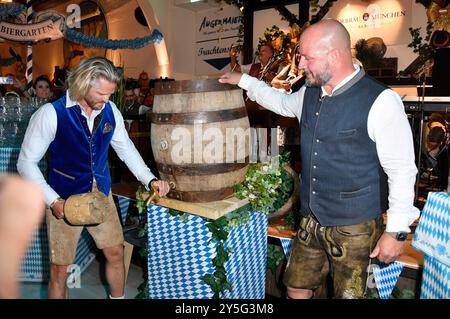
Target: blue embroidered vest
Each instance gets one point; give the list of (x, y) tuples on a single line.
[(76, 156)]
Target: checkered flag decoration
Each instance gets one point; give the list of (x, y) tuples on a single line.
[(386, 278), (286, 243), (124, 203), (432, 237)]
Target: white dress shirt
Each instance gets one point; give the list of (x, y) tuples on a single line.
[(41, 131), (387, 126)]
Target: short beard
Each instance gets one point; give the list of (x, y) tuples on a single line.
[(91, 104), (320, 79)]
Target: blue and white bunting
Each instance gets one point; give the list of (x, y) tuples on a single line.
[(124, 203), (286, 243), (386, 278)]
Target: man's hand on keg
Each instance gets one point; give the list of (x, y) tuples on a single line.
[(58, 208), (230, 78), (161, 186)]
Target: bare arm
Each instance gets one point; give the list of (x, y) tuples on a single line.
[(279, 79)]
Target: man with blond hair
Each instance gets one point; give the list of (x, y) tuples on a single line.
[(77, 130)]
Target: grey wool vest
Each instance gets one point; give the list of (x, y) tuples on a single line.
[(342, 182)]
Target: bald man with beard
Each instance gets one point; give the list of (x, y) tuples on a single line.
[(356, 144)]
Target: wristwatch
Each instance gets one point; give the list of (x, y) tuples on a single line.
[(400, 236)]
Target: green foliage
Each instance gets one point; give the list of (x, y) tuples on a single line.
[(290, 220), (182, 215), (276, 38), (143, 252), (402, 294), (218, 281), (142, 290), (220, 229), (275, 256), (424, 49), (397, 293), (267, 185)]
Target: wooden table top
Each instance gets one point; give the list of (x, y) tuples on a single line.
[(211, 210)]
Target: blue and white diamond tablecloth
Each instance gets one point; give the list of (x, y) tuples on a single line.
[(435, 280), (8, 160), (432, 237), (180, 253), (36, 266)]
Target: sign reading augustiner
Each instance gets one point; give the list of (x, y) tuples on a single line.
[(217, 30), (44, 30)]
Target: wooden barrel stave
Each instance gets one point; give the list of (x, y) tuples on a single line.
[(199, 177)]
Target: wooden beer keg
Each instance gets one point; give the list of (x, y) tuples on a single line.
[(200, 138), (86, 209)]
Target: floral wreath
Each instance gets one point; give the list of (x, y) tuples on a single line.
[(277, 39)]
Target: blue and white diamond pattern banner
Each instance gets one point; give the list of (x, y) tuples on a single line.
[(286, 243), (386, 278), (8, 160), (180, 253), (432, 235), (124, 203), (246, 267), (36, 266), (435, 280)]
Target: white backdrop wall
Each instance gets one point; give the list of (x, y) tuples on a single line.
[(179, 27), (416, 14)]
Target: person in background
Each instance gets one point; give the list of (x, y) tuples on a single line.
[(289, 79), (21, 210), (133, 109), (259, 117), (435, 157), (77, 130), (17, 86), (149, 96), (143, 86), (20, 75), (42, 88), (353, 131), (58, 81)]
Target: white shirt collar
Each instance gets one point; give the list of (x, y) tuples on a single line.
[(71, 103), (344, 81)]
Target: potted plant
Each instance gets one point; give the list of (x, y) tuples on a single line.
[(271, 188)]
